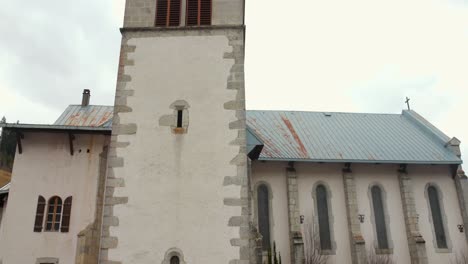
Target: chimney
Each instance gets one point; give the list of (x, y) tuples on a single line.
[(86, 96)]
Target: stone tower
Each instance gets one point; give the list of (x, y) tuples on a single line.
[(176, 188)]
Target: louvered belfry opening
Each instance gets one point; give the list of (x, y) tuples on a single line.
[(168, 13), (198, 12)]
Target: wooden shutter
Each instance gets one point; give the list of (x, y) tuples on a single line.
[(323, 218), (41, 203), (205, 13), (168, 13), (198, 12), (67, 205), (379, 216), (263, 209), (437, 217)]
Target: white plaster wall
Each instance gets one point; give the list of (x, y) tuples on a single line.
[(309, 175), (441, 176), (386, 177), (174, 183), (46, 168), (274, 174)]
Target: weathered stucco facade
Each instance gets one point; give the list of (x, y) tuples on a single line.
[(309, 175), (46, 168)]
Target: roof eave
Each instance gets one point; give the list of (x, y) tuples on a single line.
[(434, 162), (58, 128)]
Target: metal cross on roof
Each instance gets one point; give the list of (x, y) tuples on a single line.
[(407, 103)]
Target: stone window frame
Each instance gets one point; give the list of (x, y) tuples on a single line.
[(270, 207), (331, 217), (173, 252), (171, 120), (47, 260), (391, 246), (444, 218)]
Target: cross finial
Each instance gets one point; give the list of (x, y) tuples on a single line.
[(407, 103)]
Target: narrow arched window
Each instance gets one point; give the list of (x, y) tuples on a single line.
[(67, 206), (263, 200), (41, 203), (379, 217), (323, 218), (436, 213), (54, 214), (168, 13), (198, 12), (175, 260)]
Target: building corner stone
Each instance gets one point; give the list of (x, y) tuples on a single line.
[(357, 242), (416, 242), (295, 235)]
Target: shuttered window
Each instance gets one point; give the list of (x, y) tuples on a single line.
[(264, 215), (54, 214), (323, 218), (379, 216), (198, 12), (168, 13), (437, 217), (67, 205), (41, 203)]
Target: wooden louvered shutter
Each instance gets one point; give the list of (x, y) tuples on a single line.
[(168, 13), (174, 13), (41, 203), (205, 13), (67, 205), (198, 12)]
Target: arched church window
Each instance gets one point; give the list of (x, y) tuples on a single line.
[(198, 12), (323, 218), (54, 214), (168, 13), (175, 260), (41, 204), (264, 215), (379, 217), (437, 220)]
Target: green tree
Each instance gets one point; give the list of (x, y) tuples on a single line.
[(7, 147)]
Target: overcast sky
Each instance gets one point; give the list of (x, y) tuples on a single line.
[(359, 56)]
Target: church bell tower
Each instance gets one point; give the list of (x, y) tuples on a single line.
[(176, 187)]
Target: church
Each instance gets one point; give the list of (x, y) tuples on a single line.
[(177, 171)]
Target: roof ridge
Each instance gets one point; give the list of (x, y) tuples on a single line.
[(322, 112)]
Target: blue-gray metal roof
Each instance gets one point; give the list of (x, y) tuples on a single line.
[(349, 137), (89, 116)]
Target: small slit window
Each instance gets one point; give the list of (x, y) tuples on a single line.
[(437, 220), (180, 117), (198, 13), (264, 215), (41, 204), (54, 214), (323, 218), (168, 13), (379, 215)]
